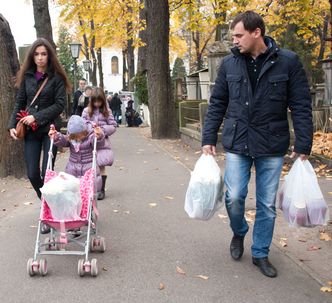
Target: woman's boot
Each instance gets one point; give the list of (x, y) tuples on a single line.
[(101, 194)]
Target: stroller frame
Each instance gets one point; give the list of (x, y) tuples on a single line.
[(54, 246)]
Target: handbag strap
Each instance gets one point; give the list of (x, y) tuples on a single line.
[(39, 91)]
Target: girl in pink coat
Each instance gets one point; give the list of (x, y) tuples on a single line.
[(99, 113)]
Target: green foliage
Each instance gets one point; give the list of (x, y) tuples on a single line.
[(179, 70), (141, 88), (64, 54)]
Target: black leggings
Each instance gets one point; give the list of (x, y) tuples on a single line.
[(34, 145)]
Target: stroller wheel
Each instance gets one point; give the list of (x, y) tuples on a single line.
[(94, 268), (48, 244), (80, 268), (30, 268), (93, 243), (102, 244), (43, 267)]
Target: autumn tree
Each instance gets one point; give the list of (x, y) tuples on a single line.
[(64, 54), (112, 23), (11, 152), (42, 18), (161, 103), (201, 23)]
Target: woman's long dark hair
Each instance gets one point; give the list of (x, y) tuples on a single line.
[(54, 65), (98, 95)]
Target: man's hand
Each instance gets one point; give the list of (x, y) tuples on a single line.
[(13, 133), (209, 150), (28, 120), (303, 157)]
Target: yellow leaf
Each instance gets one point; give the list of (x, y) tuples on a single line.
[(202, 277), (115, 211), (161, 286), (326, 289), (169, 198), (152, 204), (180, 271), (221, 216), (283, 242), (324, 236)]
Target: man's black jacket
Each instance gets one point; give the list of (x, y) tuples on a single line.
[(256, 124)]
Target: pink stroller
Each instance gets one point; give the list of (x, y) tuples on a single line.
[(82, 232)]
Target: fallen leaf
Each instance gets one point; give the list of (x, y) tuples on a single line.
[(180, 271), (161, 286), (202, 277), (324, 236), (152, 204), (169, 198), (115, 211), (121, 168), (221, 216), (127, 212), (15, 205), (283, 242), (330, 192), (326, 289), (27, 203), (198, 152), (105, 269), (33, 226), (313, 248), (3, 209), (302, 240), (3, 190), (329, 283)]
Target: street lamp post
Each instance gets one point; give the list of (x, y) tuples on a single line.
[(75, 49), (87, 67)]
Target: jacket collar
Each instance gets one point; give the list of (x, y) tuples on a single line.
[(32, 72), (272, 47)]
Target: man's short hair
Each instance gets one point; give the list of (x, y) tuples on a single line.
[(82, 79), (251, 20)]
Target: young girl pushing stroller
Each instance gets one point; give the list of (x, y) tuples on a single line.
[(98, 112)]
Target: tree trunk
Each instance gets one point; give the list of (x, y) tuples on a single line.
[(161, 103), (93, 55), (124, 70), (11, 152), (141, 60), (100, 67), (197, 41), (43, 23), (130, 53)]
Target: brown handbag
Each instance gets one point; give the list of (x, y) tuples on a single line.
[(21, 129)]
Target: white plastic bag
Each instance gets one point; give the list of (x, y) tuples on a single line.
[(301, 199), (205, 190), (62, 195)]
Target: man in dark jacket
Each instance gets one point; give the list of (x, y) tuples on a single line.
[(255, 87), (115, 105), (78, 94)]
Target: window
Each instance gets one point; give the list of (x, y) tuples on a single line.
[(115, 65)]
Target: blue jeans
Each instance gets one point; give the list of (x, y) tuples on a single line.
[(237, 176)]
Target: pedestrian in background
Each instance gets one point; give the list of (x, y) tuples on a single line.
[(84, 100), (41, 67), (77, 94), (255, 87), (115, 105)]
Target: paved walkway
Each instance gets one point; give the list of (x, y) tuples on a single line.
[(148, 235)]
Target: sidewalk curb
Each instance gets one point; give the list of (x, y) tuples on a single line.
[(311, 273)]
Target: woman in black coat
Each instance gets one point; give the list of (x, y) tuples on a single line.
[(40, 63)]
